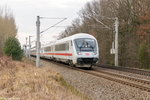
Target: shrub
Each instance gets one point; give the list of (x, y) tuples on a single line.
[(144, 57), (12, 48)]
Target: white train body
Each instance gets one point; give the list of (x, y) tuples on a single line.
[(80, 50)]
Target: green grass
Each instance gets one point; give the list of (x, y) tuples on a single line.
[(2, 99), (71, 88)]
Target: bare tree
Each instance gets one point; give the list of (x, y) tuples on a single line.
[(96, 18), (7, 26)]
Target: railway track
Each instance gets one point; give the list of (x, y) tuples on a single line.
[(127, 69), (126, 80), (123, 79), (139, 80)]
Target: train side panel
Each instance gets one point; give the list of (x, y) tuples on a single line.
[(80, 50)]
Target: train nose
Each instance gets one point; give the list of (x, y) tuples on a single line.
[(87, 60), (95, 60)]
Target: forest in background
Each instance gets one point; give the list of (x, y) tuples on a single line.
[(8, 26), (97, 18)]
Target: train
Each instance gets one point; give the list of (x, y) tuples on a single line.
[(79, 50)]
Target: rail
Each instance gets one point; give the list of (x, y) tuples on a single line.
[(127, 69), (119, 78)]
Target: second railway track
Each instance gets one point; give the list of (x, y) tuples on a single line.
[(127, 69), (126, 80), (139, 80)]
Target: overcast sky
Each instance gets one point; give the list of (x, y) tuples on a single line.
[(25, 12)]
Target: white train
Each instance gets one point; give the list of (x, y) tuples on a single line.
[(80, 50)]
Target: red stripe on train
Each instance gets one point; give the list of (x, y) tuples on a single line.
[(62, 54)]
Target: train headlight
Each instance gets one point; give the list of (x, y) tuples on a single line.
[(95, 53), (79, 53)]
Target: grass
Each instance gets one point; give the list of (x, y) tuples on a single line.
[(71, 88), (25, 81), (2, 99)]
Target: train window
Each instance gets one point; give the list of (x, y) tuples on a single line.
[(51, 48), (71, 43), (33, 51), (67, 46), (85, 44), (62, 47), (47, 49)]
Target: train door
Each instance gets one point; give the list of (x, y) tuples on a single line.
[(53, 51), (70, 50), (67, 50)]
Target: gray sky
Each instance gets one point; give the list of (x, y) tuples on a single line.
[(25, 12)]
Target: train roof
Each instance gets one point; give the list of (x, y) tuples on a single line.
[(78, 35), (75, 36)]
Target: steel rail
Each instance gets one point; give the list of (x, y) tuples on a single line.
[(110, 76), (126, 77), (127, 69), (132, 84)]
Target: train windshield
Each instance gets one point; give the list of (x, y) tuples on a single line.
[(85, 44)]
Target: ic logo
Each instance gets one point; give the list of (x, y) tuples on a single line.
[(87, 54)]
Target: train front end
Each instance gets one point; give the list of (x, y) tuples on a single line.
[(87, 53)]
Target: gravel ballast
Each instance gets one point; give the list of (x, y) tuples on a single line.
[(98, 88)]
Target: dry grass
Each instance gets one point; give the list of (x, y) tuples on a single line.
[(23, 81)]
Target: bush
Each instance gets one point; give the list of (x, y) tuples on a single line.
[(144, 56), (12, 48)]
